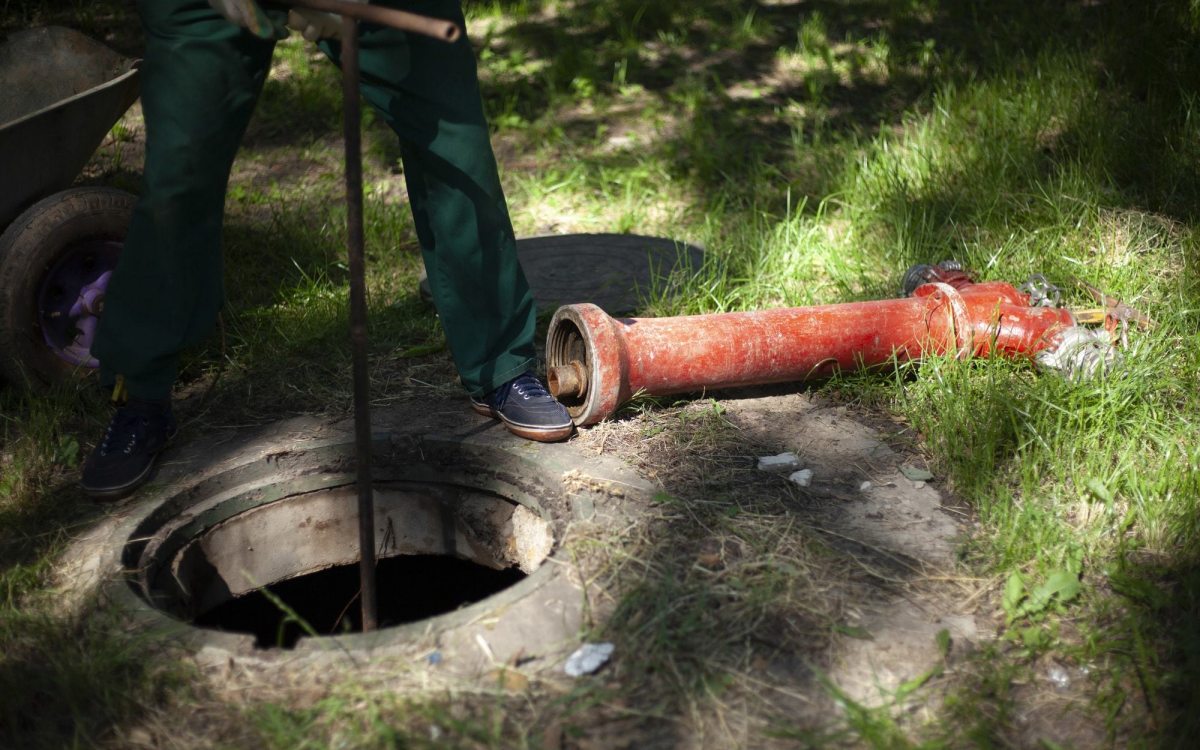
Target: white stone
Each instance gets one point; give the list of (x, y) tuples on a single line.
[(588, 658), (783, 462), (802, 477)]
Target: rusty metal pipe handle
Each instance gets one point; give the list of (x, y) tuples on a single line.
[(569, 380), (438, 28)]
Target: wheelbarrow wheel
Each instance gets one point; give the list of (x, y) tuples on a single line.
[(55, 261)]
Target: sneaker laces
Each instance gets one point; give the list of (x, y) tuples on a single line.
[(127, 426), (527, 387)]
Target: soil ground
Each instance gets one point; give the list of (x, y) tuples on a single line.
[(865, 609)]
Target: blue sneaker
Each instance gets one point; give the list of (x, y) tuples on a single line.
[(125, 457), (527, 409)]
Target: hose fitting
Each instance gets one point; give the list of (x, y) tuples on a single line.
[(1081, 354), (1042, 293), (947, 272)]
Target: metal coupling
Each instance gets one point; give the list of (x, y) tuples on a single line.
[(568, 381), (1081, 354)]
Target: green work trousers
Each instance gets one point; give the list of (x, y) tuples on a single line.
[(201, 77)]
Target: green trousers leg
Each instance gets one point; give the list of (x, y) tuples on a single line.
[(201, 79), (428, 92)]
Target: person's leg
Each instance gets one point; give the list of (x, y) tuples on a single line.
[(200, 79), (201, 76), (427, 90)]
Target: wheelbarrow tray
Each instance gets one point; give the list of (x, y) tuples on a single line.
[(62, 94)]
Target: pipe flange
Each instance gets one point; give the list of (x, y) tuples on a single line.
[(586, 359), (960, 318)]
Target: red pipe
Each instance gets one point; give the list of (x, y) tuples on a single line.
[(595, 362)]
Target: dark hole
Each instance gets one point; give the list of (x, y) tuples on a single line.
[(411, 587)]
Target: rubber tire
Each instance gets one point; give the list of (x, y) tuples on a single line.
[(29, 248)]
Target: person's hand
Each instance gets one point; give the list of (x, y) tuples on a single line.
[(247, 14), (316, 24)]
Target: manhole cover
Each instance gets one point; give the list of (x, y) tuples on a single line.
[(615, 272)]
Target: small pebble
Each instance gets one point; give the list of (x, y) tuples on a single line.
[(1059, 677), (781, 463), (864, 487), (918, 485), (802, 477), (588, 658)]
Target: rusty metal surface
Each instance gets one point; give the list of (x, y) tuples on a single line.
[(62, 92), (352, 133), (660, 356), (436, 28)]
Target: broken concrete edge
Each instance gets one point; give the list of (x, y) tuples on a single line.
[(539, 619)]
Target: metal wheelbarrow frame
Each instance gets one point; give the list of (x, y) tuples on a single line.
[(63, 93)]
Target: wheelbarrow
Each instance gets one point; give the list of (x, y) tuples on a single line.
[(62, 94)]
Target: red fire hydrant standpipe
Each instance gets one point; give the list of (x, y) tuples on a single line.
[(595, 362)]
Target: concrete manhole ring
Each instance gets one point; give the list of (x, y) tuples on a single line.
[(275, 512)]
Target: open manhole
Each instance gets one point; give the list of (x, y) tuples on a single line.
[(277, 560)]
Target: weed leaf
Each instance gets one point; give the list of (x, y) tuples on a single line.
[(1060, 587), (908, 687), (1099, 490), (1014, 593), (943, 642), (914, 474)]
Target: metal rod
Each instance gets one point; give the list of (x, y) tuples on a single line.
[(351, 121), (438, 28), (446, 31)]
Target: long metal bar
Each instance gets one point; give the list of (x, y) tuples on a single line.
[(437, 28), (351, 122), (445, 31)]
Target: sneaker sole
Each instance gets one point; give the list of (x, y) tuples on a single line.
[(116, 493), (537, 434)]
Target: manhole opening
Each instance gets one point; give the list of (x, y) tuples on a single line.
[(411, 588), (282, 569)]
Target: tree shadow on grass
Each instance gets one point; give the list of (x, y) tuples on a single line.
[(1145, 60), (75, 680), (721, 45), (69, 676), (1155, 642)]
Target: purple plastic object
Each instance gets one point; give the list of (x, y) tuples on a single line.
[(71, 300)]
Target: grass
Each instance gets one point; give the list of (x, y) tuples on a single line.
[(815, 152), (73, 680)]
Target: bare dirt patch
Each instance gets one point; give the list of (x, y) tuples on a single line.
[(886, 600)]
